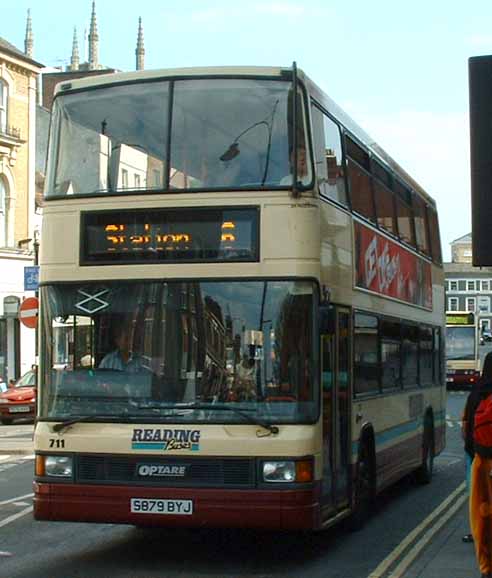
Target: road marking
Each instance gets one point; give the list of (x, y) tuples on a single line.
[(30, 457), (16, 516), (17, 499), (426, 538), (397, 553)]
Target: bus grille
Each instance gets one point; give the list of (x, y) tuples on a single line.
[(195, 472)]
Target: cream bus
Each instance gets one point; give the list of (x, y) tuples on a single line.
[(462, 355), (250, 296)]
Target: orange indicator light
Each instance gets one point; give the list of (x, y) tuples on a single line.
[(39, 466), (304, 471)]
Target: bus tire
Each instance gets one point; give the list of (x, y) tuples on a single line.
[(423, 475), (364, 486), (6, 420)]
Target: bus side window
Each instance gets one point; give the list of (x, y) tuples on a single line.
[(359, 178), (328, 157)]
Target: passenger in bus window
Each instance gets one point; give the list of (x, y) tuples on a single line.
[(301, 166), (122, 358)]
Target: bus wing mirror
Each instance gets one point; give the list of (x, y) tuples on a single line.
[(326, 319)]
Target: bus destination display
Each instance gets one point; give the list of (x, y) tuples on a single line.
[(158, 235), (467, 318)]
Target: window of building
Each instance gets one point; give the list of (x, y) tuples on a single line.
[(446, 285), (453, 285), (366, 355), (461, 285), (137, 181), (483, 303), (4, 94), (453, 304), (470, 285), (470, 303), (485, 285), (124, 179), (3, 212), (328, 157)]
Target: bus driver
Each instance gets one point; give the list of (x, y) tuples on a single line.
[(122, 358)]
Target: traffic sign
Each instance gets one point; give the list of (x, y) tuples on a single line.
[(28, 312), (31, 278)]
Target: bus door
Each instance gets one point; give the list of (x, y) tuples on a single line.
[(336, 392)]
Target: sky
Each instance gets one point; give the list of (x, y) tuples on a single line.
[(399, 69)]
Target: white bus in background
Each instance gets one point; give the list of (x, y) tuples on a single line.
[(462, 353)]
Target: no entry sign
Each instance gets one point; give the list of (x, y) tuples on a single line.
[(28, 312)]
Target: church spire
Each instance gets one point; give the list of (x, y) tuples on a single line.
[(28, 42), (93, 40), (140, 50), (75, 60)]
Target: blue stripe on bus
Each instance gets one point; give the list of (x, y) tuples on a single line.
[(149, 446), (401, 429)]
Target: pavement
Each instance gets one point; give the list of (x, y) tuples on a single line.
[(16, 440), (445, 556)]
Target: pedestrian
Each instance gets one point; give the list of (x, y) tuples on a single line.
[(471, 404), (480, 403)]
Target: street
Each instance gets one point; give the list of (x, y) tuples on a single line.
[(31, 549)]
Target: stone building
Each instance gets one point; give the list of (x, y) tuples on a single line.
[(18, 228), (468, 288), (26, 96)]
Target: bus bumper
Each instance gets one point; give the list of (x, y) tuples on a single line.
[(214, 508)]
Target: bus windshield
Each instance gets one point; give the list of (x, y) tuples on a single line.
[(175, 135), (460, 343), (145, 350)]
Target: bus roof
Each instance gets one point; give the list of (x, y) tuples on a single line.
[(190, 72)]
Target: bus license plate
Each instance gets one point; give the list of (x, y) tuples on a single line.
[(167, 507)]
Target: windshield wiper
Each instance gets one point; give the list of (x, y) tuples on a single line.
[(58, 427), (212, 406)]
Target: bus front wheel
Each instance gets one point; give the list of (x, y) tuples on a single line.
[(423, 474), (364, 487)]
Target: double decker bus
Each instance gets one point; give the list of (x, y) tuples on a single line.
[(462, 355), (241, 319)]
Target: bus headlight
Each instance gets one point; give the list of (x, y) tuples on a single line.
[(288, 471), (59, 466)]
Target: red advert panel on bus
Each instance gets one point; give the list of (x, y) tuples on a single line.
[(384, 267)]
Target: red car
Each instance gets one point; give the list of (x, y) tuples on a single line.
[(19, 401)]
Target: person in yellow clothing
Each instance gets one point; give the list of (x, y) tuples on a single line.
[(481, 472)]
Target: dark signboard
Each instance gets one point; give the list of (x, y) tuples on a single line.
[(480, 90), (170, 235)]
